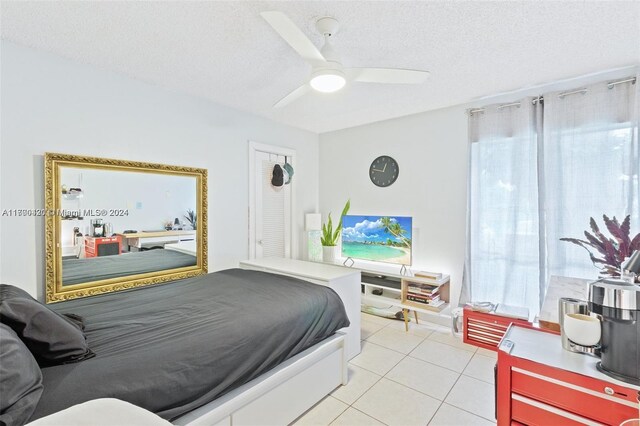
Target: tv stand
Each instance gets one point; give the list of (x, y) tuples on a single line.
[(394, 293), (347, 260), (349, 263)]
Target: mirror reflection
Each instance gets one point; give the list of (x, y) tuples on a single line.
[(113, 225), (121, 223)]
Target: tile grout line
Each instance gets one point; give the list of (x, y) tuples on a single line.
[(454, 385), (341, 412), (441, 402), (368, 415), (373, 384), (468, 412), (384, 376), (460, 408), (475, 378), (441, 366), (458, 379), (377, 381), (383, 347), (416, 390), (367, 390)]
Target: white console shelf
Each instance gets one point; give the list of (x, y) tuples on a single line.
[(390, 284)]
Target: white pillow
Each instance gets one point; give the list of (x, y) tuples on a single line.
[(102, 412)]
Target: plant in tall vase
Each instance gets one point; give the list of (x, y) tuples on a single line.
[(192, 218), (608, 253), (330, 236)]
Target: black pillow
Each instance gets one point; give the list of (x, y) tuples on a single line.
[(20, 379), (51, 337)]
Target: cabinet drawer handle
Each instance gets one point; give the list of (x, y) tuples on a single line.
[(609, 391)]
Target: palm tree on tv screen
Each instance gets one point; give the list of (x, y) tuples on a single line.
[(395, 229)]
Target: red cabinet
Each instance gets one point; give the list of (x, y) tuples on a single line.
[(485, 330), (539, 383), (102, 246)]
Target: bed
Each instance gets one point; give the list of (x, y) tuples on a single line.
[(76, 271), (175, 348)]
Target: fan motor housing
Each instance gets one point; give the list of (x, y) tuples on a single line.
[(327, 26)]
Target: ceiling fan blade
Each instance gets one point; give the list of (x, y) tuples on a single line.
[(292, 96), (294, 36), (387, 75)]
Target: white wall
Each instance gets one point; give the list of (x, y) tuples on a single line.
[(147, 201), (50, 104), (431, 150)]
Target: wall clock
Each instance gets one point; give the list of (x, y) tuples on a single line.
[(384, 171)]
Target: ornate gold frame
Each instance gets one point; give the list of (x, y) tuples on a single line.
[(55, 292)]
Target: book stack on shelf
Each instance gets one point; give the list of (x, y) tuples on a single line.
[(425, 291)]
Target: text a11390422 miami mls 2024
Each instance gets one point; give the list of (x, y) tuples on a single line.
[(64, 213)]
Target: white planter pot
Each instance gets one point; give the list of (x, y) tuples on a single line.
[(330, 254)]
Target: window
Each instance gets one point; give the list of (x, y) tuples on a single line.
[(503, 206), (538, 172)]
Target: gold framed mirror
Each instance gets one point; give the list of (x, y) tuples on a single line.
[(113, 225)]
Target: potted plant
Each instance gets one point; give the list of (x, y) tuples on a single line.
[(191, 218), (330, 236), (611, 252)]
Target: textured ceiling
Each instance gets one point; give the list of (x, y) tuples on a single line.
[(226, 52)]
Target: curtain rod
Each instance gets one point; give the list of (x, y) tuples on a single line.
[(610, 85), (573, 92), (627, 80), (509, 105), (516, 104)]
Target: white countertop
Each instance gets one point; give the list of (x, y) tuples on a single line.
[(313, 270), (546, 348)]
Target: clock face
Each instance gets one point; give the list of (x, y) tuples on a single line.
[(383, 171)]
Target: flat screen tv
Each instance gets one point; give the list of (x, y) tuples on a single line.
[(377, 238)]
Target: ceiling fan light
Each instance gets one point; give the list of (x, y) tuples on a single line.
[(327, 81)]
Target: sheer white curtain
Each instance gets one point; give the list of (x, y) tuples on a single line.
[(537, 174), (503, 245), (591, 165)]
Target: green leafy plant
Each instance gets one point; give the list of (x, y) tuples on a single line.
[(611, 251), (329, 236), (191, 218), (395, 229)]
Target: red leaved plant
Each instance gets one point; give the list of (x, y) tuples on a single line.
[(612, 251)]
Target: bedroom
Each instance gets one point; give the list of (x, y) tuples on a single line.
[(191, 84)]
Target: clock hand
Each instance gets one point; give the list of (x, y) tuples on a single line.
[(376, 170), (384, 168)]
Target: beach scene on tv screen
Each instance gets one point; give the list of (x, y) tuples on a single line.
[(377, 238)]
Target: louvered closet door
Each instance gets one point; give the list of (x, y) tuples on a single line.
[(273, 210)]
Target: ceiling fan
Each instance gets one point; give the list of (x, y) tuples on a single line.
[(328, 75)]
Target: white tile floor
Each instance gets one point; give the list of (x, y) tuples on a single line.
[(423, 377)]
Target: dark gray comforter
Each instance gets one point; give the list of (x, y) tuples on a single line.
[(171, 348), (75, 271)]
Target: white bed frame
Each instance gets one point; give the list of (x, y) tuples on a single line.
[(281, 395)]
